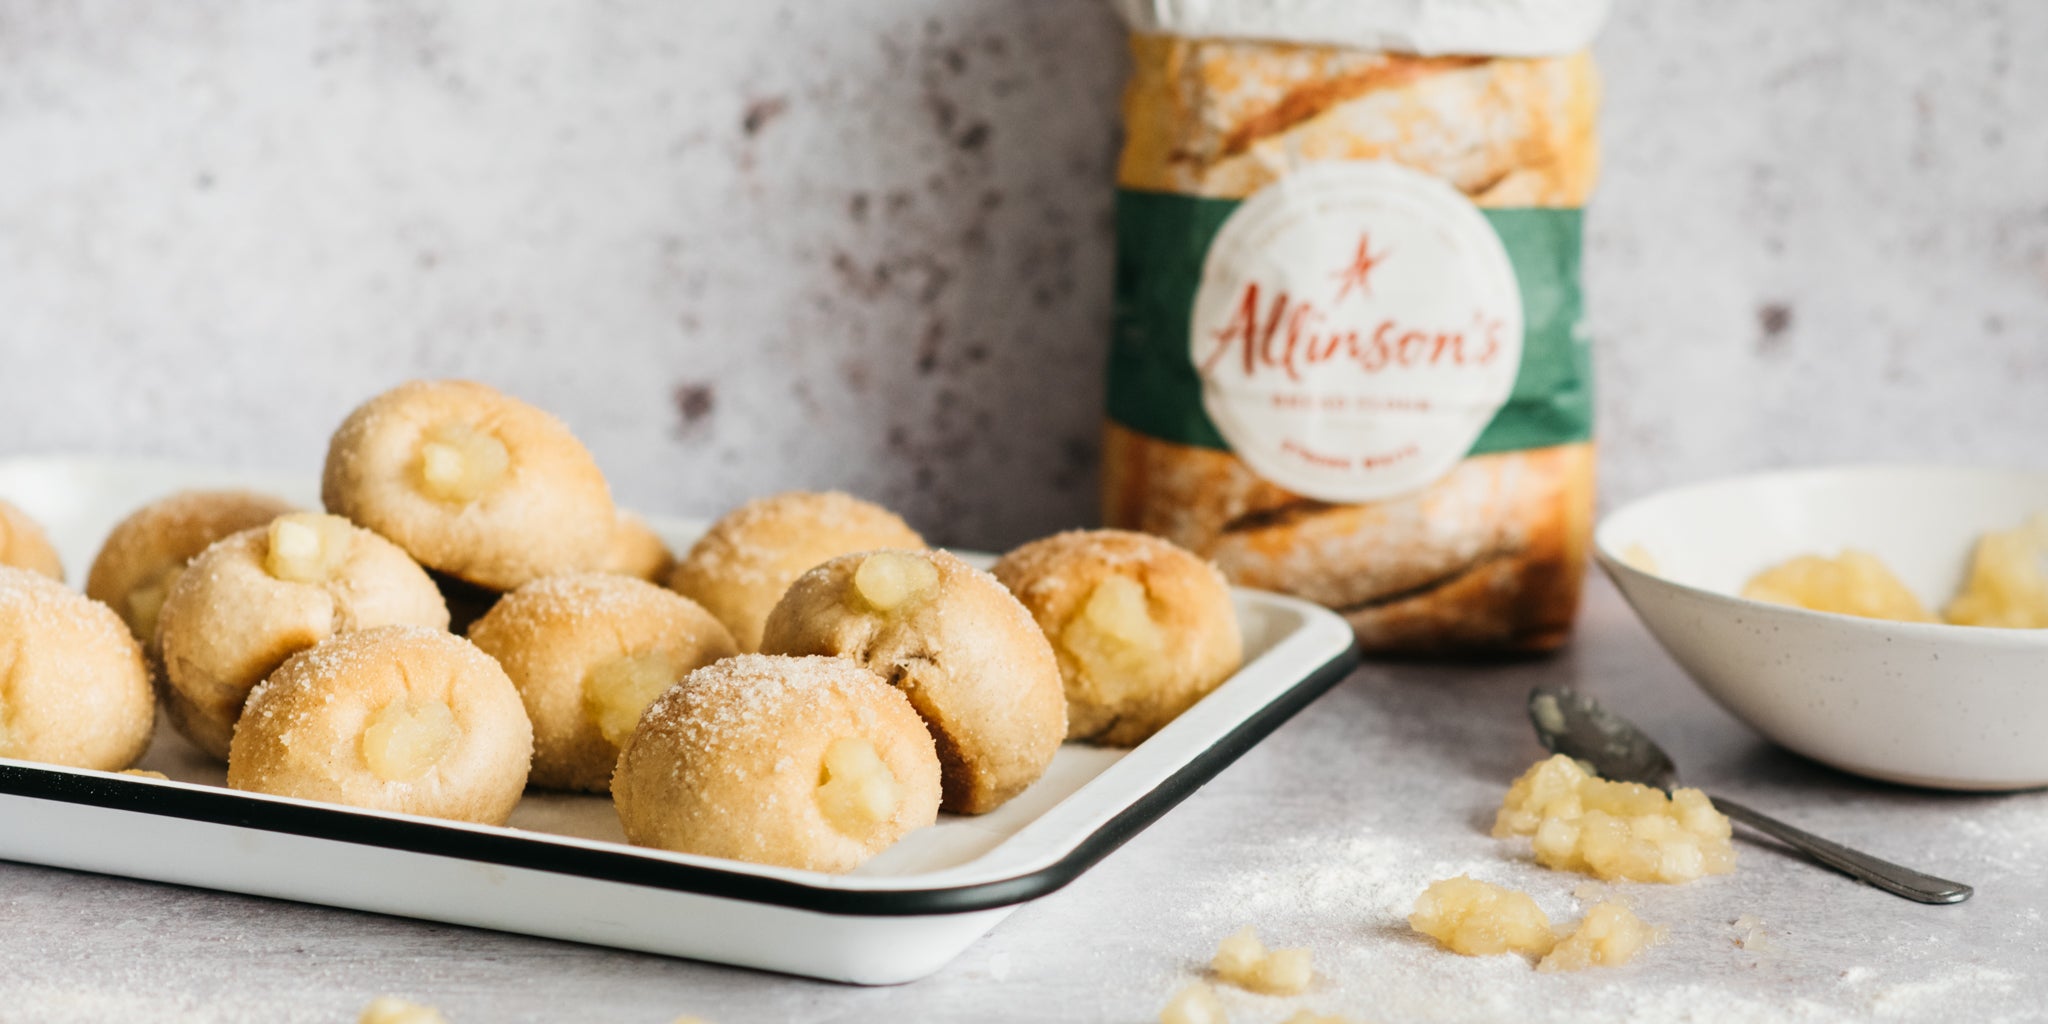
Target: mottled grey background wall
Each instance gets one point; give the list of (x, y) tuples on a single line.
[(743, 246)]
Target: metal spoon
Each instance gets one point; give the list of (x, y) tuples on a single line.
[(1577, 727)]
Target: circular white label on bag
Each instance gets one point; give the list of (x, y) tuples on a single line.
[(1357, 325)]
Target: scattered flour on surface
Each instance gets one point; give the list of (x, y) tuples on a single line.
[(1347, 898), (1933, 997), (48, 1004)]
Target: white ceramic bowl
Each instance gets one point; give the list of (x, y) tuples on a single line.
[(1954, 707)]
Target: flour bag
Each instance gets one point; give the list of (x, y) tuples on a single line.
[(1348, 360)]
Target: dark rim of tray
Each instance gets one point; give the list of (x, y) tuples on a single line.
[(344, 825)]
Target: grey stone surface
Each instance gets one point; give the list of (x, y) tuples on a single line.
[(746, 246), (1321, 836)]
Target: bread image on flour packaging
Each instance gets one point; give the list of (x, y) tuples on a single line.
[(1348, 360)]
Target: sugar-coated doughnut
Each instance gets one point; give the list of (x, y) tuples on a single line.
[(965, 652), (801, 762), (73, 688), (1143, 628), (589, 653), (24, 545), (398, 718), (471, 482), (744, 563), (256, 597), (639, 551), (147, 551)]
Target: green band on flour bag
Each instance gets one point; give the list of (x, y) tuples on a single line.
[(1164, 241)]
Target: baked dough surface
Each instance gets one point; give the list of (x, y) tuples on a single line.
[(1142, 628), (471, 482), (24, 545), (145, 552), (73, 687), (229, 620), (745, 562), (953, 640), (737, 761), (588, 654), (397, 718)]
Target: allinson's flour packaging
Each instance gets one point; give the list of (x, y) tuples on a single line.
[(1348, 361)]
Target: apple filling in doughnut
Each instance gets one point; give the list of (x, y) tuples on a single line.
[(888, 580), (855, 790), (146, 602), (405, 740), (307, 547), (1114, 636), (459, 462), (1244, 961), (617, 692), (1478, 918)]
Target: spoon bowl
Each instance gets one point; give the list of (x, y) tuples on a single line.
[(1579, 728)]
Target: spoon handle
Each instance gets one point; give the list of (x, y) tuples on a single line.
[(1899, 881)]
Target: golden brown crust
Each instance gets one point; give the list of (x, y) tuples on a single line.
[(967, 654), (73, 688), (639, 551), (227, 622), (1119, 701), (552, 634), (550, 512), (302, 735), (24, 545), (1489, 557), (728, 763), (742, 565), (157, 540)]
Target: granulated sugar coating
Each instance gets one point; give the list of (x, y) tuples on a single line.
[(588, 653), (1141, 627), (968, 655), (723, 706), (1039, 560), (23, 544), (742, 565), (398, 718), (522, 498), (231, 619), (156, 540), (739, 760), (73, 688)]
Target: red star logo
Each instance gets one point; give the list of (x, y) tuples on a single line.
[(1358, 274)]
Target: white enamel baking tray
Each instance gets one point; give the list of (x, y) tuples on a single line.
[(561, 867)]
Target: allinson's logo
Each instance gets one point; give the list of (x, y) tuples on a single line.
[(1357, 326)]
